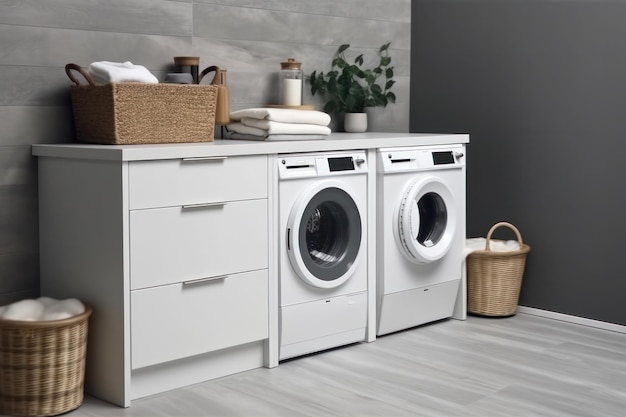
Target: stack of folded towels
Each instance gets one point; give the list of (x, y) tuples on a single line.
[(278, 124), (42, 308), (105, 72)]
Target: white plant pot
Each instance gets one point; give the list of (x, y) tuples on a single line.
[(355, 122)]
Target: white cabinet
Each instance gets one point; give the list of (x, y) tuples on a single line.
[(173, 256), (185, 319), (180, 243), (174, 247), (163, 183)]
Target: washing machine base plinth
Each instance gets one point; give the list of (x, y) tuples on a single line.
[(405, 309), (322, 324)]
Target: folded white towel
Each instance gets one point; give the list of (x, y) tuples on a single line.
[(255, 126), (239, 127), (313, 117), (243, 136), (105, 72)]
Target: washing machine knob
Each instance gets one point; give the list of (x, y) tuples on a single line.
[(458, 155), (359, 161)]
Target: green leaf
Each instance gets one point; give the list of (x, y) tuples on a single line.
[(389, 73), (384, 47), (384, 61), (359, 60), (389, 84), (330, 107), (343, 48)]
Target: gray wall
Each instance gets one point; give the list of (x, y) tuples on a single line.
[(249, 38), (541, 88)]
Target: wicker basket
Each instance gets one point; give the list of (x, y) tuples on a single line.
[(135, 113), (42, 365), (494, 279)]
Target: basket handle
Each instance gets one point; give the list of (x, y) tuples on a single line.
[(208, 70), (83, 72), (501, 224)]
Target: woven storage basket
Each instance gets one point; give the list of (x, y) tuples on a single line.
[(42, 365), (494, 279), (135, 113)]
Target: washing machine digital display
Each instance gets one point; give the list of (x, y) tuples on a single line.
[(341, 164), (443, 158)]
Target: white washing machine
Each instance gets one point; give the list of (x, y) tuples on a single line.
[(421, 233), (322, 200)]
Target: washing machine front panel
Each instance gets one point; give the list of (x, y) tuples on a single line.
[(425, 220), (400, 174), (325, 234)]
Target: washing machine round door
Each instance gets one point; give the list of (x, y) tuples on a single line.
[(324, 234), (425, 220)]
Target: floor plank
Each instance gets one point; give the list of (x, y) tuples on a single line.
[(518, 366)]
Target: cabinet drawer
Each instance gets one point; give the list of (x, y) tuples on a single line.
[(175, 244), (181, 320), (172, 182)]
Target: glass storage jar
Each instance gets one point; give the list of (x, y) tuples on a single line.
[(291, 83)]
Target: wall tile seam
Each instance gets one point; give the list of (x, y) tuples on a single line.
[(291, 12), (99, 30), (325, 45)]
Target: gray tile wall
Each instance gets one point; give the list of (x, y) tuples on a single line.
[(247, 37)]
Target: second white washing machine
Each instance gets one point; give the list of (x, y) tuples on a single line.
[(322, 201), (421, 233)]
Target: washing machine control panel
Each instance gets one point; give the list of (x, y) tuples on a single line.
[(319, 165), (420, 158)]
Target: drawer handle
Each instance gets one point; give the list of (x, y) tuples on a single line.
[(204, 280), (204, 205), (206, 158)]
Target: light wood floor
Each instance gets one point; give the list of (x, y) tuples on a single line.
[(518, 366)]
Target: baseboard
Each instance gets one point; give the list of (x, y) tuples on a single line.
[(572, 319)]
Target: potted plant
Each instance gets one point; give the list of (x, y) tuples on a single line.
[(349, 88)]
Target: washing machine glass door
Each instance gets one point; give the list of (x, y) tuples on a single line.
[(425, 220), (324, 234)]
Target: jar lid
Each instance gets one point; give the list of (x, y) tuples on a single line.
[(186, 60), (291, 64)]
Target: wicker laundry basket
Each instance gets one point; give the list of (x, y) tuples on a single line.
[(494, 278), (136, 113), (42, 365)]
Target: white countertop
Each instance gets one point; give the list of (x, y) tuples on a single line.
[(229, 147)]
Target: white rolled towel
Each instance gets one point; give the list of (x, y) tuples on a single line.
[(63, 309), (43, 308), (25, 310), (495, 245), (105, 72), (312, 117)]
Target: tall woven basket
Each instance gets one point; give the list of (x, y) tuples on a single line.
[(494, 278), (42, 365)]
